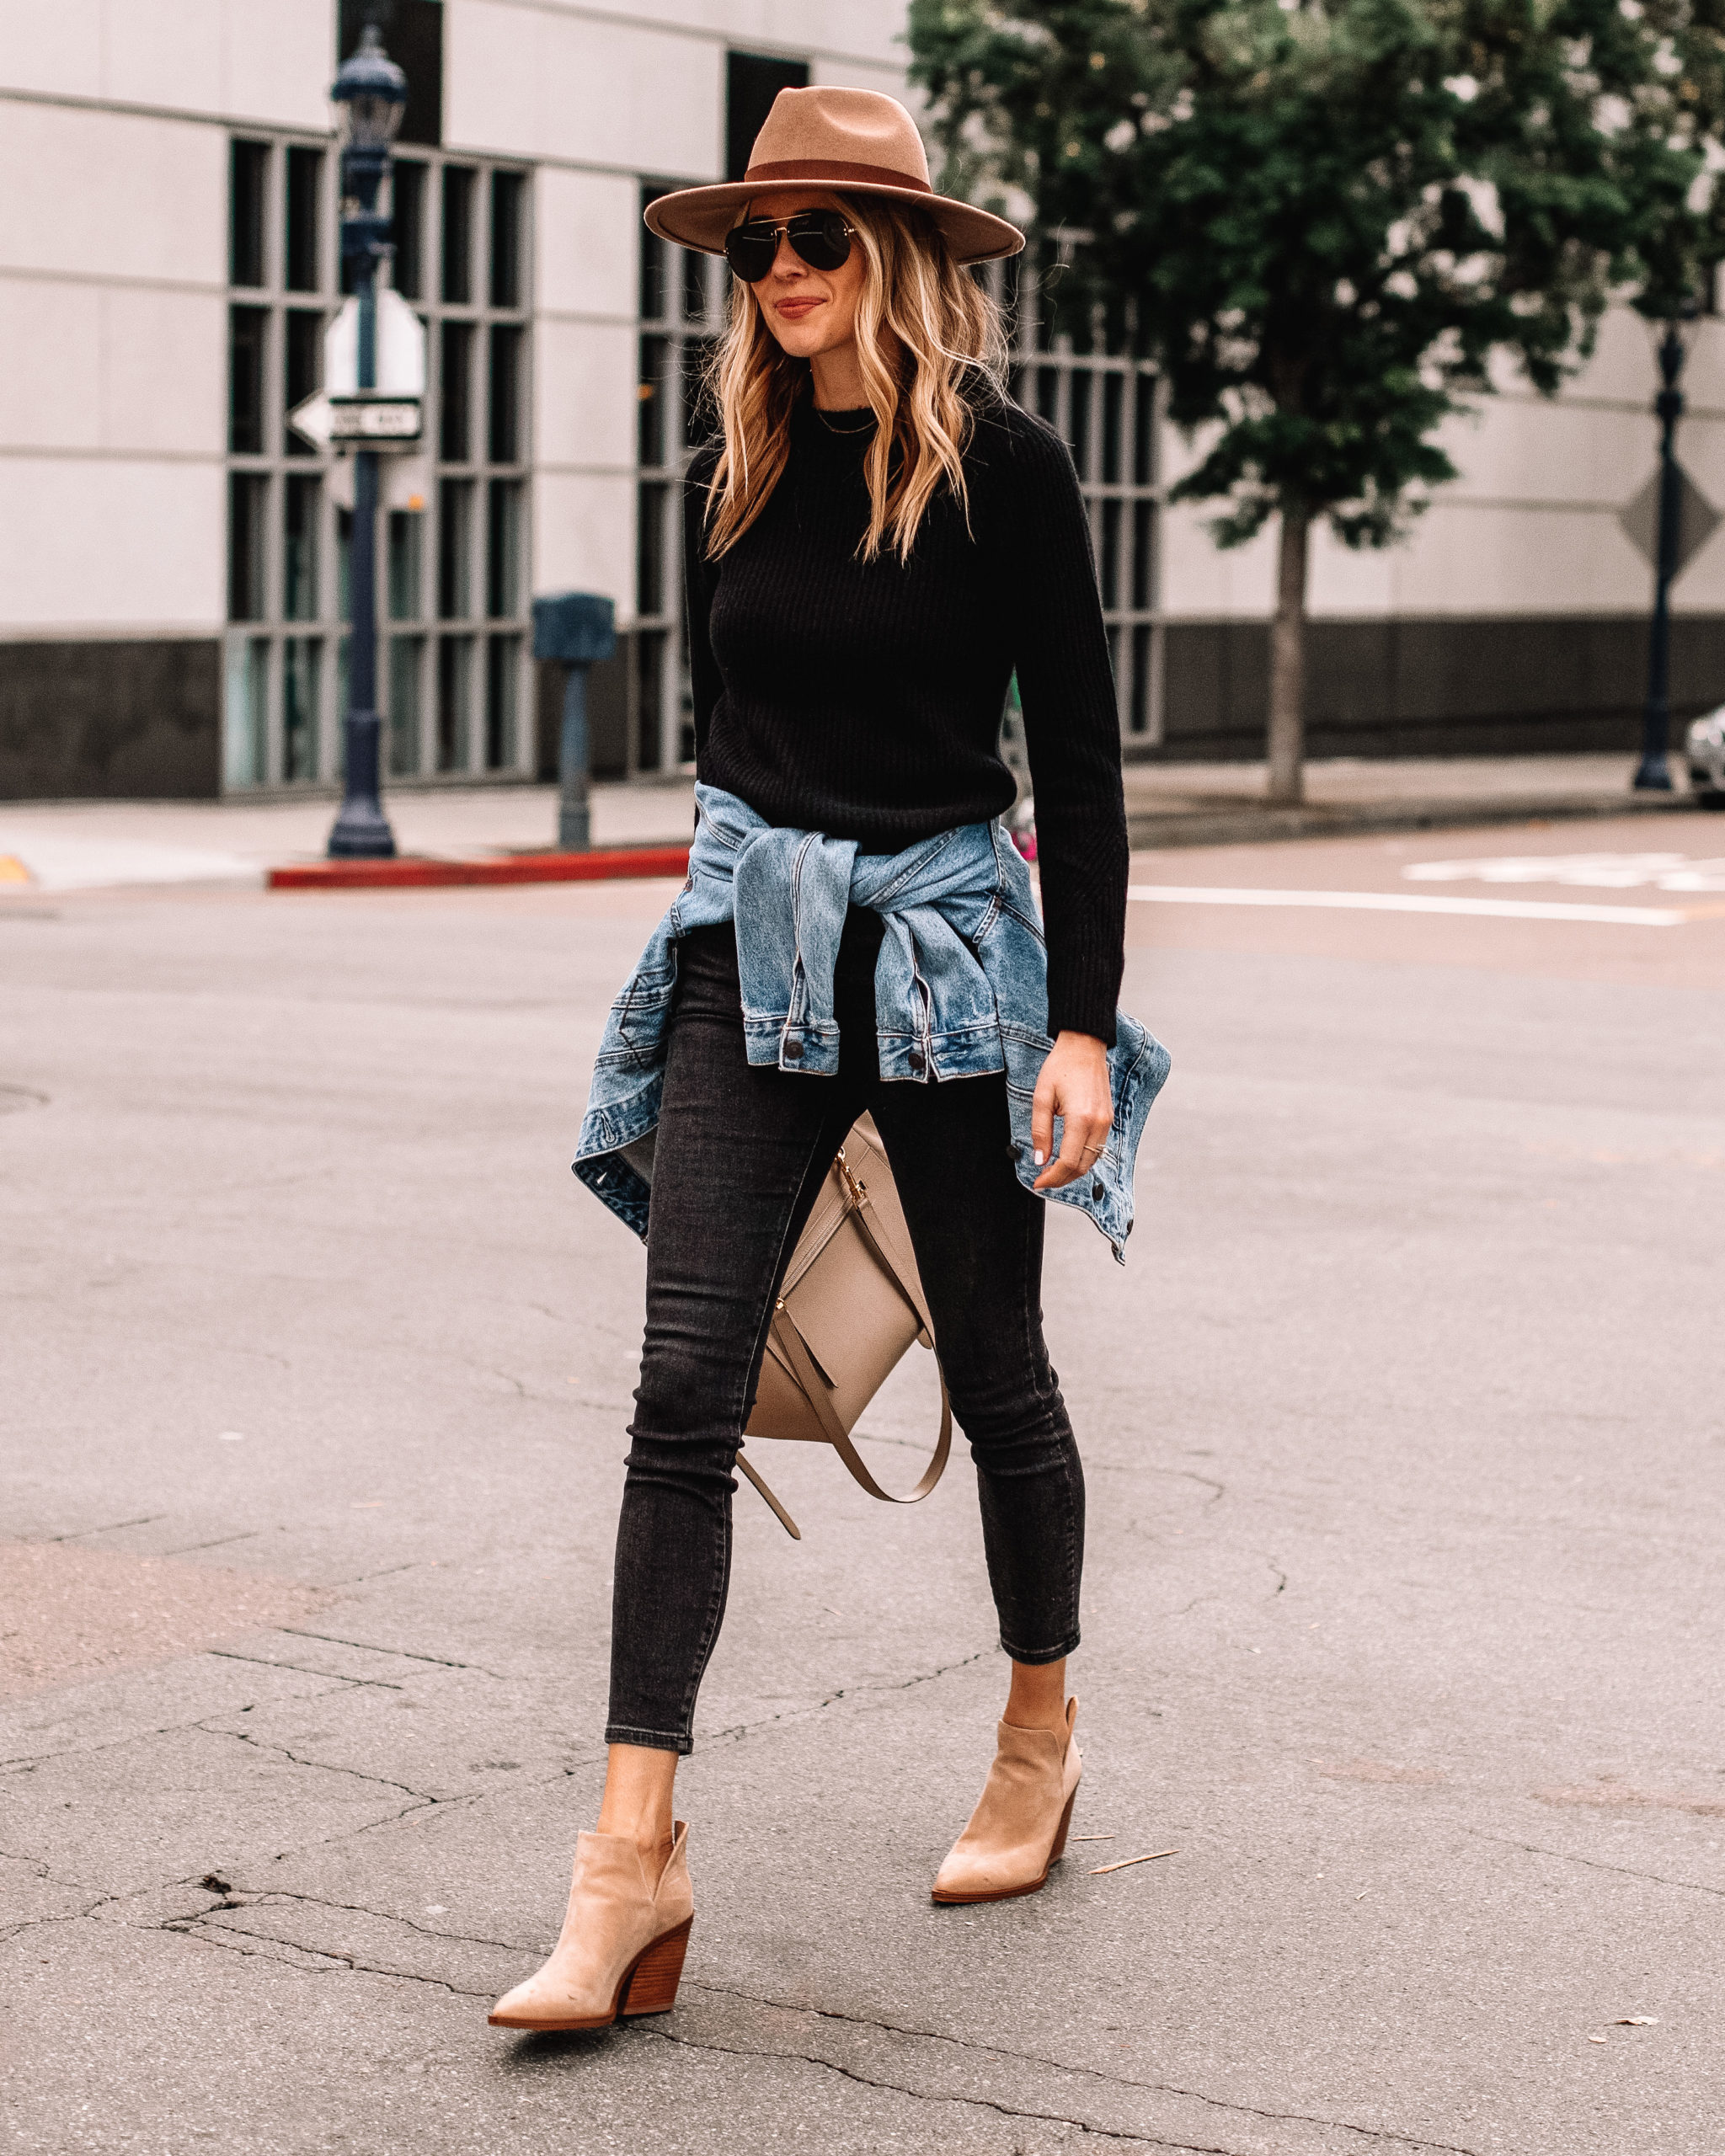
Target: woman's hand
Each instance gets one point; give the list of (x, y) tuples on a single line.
[(1073, 1085)]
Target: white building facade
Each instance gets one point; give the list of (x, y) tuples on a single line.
[(172, 556)]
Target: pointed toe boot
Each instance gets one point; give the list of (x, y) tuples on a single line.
[(1019, 1827), (620, 1950)]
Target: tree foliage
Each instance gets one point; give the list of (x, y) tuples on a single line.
[(1327, 218)]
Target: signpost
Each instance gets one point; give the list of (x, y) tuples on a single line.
[(386, 415), (365, 410)]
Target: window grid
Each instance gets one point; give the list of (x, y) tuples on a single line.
[(454, 573), (683, 296), (1107, 406)]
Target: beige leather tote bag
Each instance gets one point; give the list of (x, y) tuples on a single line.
[(850, 1306)]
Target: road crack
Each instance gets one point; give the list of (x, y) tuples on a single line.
[(1598, 1863)]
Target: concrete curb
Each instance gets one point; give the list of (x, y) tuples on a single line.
[(414, 873), (1252, 826)]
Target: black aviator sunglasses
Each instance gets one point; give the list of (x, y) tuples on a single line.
[(821, 237)]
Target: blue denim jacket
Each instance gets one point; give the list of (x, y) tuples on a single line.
[(960, 987)]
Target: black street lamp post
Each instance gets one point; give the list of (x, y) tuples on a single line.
[(370, 95), (1654, 774)]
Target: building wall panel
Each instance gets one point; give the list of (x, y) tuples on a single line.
[(56, 50), (584, 381), (165, 370), (50, 363), (108, 542), (112, 195), (588, 233), (584, 536), (531, 83)]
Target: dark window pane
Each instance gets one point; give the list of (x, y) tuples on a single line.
[(503, 549), (404, 670), (700, 412), (1082, 382), (1143, 551), (455, 432), (302, 356), (413, 36), (655, 375), (654, 252), (649, 550), (455, 706), (1048, 394), (299, 549), (303, 170), (247, 499), (455, 388), (502, 684), (454, 548), (409, 206), (248, 328), (752, 81), (506, 239), (1138, 718), (406, 547), (245, 718), (1114, 393), (1111, 551), (1144, 431), (301, 666), (248, 180), (694, 287), (344, 581), (650, 692), (457, 234), (503, 394)]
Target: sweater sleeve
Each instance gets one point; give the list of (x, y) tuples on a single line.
[(699, 577), (1071, 724)]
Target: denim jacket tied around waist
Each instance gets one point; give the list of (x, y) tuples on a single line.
[(960, 987)]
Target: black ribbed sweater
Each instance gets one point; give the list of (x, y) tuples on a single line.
[(864, 699)]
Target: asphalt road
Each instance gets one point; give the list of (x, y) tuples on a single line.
[(1404, 1428)]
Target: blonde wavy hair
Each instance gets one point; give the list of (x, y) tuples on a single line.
[(923, 325)]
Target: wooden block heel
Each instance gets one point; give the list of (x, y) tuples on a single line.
[(651, 1986), (1060, 1848)]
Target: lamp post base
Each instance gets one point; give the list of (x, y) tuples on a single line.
[(1652, 775), (361, 832)]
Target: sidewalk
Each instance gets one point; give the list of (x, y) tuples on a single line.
[(85, 844), (1223, 804), (71, 846)]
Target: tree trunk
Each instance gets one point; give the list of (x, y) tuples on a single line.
[(1287, 727)]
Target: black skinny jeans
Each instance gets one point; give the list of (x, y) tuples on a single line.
[(740, 1157)]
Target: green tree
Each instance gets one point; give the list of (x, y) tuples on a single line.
[(1324, 219)]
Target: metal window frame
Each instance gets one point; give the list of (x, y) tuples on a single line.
[(1136, 631), (658, 488), (275, 465)]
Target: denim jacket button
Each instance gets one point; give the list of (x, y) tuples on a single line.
[(793, 1051), (917, 1059), (1096, 1189)]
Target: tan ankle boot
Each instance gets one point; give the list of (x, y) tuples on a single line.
[(620, 1950), (1019, 1827)]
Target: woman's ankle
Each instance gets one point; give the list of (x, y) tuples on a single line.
[(639, 1802), (1037, 1698)]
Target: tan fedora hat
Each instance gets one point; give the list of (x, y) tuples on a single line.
[(854, 141)]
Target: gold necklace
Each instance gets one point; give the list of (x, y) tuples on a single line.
[(866, 428)]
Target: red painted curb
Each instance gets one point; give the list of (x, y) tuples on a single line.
[(416, 874)]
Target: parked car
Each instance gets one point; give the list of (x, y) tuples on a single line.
[(1707, 759)]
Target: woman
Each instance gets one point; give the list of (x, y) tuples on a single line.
[(878, 542)]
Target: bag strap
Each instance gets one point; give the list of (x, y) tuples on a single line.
[(882, 1244), (789, 1342)]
